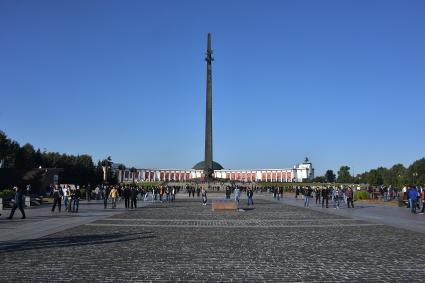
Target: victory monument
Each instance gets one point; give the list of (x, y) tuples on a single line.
[(208, 165)]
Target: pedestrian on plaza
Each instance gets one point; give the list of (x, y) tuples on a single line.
[(297, 192), (307, 195), (325, 197), (350, 196), (105, 197), (198, 192), (423, 201), (113, 194), (193, 192), (275, 193), (161, 193), (88, 193), (133, 201), (66, 192), (317, 195), (19, 202), (167, 193), (237, 195), (204, 196), (57, 195), (173, 194), (250, 194), (413, 195), (126, 195), (228, 192), (76, 199), (71, 199)]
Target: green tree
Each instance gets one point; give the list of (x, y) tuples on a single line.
[(374, 178), (344, 175), (330, 176)]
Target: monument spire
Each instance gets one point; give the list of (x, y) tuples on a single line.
[(208, 169)]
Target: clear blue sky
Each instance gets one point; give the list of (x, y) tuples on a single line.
[(341, 82)]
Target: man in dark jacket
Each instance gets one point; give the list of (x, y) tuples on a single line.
[(413, 196), (18, 203), (126, 195), (134, 193), (76, 199), (325, 196), (57, 194)]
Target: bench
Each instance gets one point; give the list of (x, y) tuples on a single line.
[(224, 205)]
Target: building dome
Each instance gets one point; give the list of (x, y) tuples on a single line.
[(201, 166)]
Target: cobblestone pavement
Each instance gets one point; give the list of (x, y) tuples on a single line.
[(186, 241)]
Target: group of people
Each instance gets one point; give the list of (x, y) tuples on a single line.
[(69, 194), (416, 198)]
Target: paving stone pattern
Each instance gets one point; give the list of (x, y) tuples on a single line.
[(186, 241)]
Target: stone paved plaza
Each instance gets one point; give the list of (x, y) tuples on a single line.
[(185, 241)]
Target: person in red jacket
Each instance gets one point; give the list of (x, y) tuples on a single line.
[(423, 201)]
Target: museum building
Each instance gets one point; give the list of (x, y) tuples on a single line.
[(299, 173)]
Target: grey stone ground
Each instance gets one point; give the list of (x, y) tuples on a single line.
[(186, 241)]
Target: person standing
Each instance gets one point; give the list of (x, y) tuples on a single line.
[(423, 201), (18, 203), (413, 195), (173, 193), (105, 197), (76, 199), (350, 196), (65, 192), (57, 198), (325, 197), (228, 192), (114, 195), (204, 196), (133, 195), (317, 194), (250, 194), (237, 195), (307, 195), (126, 195)]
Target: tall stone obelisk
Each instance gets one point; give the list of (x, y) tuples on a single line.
[(208, 162)]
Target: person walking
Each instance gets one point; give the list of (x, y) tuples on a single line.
[(204, 196), (126, 195), (133, 196), (423, 201), (413, 195), (57, 195), (307, 195), (325, 197), (237, 195), (228, 192), (105, 197), (114, 195), (317, 195), (65, 192), (350, 196), (19, 203), (76, 199), (250, 194)]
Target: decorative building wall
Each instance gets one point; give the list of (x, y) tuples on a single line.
[(298, 173)]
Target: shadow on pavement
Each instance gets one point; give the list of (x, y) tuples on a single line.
[(70, 241)]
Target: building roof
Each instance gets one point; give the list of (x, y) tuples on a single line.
[(201, 166)]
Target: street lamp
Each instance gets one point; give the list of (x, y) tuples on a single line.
[(414, 177)]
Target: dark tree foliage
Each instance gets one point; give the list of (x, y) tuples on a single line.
[(78, 169)]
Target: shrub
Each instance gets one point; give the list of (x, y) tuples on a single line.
[(359, 195), (6, 193)]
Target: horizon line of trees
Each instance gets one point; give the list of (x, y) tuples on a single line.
[(397, 176), (78, 169)]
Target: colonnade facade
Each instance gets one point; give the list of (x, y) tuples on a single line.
[(262, 175)]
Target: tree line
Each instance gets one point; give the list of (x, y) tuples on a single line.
[(397, 176), (78, 169)]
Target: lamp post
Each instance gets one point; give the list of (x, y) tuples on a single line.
[(415, 175)]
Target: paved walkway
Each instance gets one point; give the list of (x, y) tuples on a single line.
[(399, 217), (185, 241), (41, 221)]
